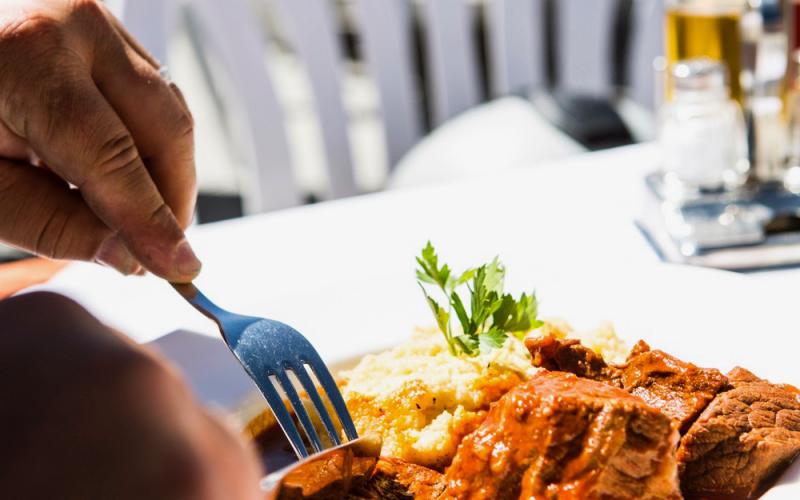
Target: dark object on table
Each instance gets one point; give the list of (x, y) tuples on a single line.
[(560, 434), (746, 437), (592, 121), (681, 390), (214, 207)]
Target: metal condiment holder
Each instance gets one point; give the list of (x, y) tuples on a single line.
[(752, 228)]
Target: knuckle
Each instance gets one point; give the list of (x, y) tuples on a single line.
[(43, 106), (68, 233), (58, 95), (91, 19), (117, 149), (8, 180), (29, 224), (30, 48), (116, 156), (185, 124), (159, 213), (50, 239), (33, 30), (90, 10)]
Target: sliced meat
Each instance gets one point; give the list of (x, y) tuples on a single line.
[(340, 475), (398, 480), (331, 477), (679, 389), (569, 355), (745, 437), (561, 436)]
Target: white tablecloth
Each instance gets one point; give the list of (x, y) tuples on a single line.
[(567, 219)]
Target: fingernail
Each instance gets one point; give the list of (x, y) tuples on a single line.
[(186, 262), (112, 253)]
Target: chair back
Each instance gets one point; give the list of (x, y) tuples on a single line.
[(429, 60), (648, 43)]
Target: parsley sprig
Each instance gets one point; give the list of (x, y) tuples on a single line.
[(492, 314)]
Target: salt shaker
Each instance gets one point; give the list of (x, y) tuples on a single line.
[(702, 132)]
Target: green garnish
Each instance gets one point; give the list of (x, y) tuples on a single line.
[(492, 315)]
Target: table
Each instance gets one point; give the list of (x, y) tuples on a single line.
[(322, 267), (575, 215)]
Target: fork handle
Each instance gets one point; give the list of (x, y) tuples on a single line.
[(230, 325), (200, 302)]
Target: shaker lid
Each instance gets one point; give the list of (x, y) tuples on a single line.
[(702, 74)]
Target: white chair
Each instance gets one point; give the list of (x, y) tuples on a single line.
[(648, 34), (386, 27), (516, 45), (583, 44), (515, 30), (507, 133), (586, 51)]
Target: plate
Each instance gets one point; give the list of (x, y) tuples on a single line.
[(711, 318)]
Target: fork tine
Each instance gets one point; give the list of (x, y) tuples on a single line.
[(302, 375), (299, 410), (275, 403), (267, 348), (332, 390)]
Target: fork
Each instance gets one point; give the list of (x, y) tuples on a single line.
[(268, 350)]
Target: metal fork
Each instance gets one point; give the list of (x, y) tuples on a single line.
[(268, 350)]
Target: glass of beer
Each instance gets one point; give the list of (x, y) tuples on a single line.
[(706, 28)]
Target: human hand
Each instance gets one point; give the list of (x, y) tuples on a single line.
[(81, 100), (87, 414)]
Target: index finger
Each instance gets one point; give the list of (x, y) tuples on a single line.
[(154, 112), (97, 153)]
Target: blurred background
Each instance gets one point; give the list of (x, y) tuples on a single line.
[(307, 101), (301, 101)]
